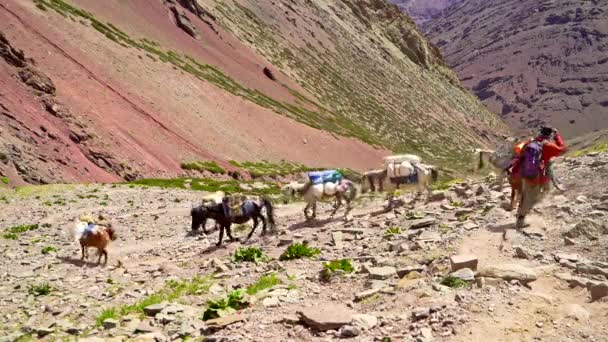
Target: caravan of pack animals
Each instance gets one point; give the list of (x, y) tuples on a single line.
[(400, 172)]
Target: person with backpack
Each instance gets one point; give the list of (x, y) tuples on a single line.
[(533, 166)]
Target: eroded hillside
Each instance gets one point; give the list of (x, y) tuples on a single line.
[(140, 87), (533, 61)]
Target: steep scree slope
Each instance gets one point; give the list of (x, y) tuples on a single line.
[(141, 86), (532, 61), (423, 10)]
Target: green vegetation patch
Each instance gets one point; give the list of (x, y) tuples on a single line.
[(446, 184), (210, 185), (454, 282), (343, 265), (210, 166), (110, 313), (264, 168), (40, 290), (393, 231), (49, 249), (225, 306), (250, 254), (298, 251), (265, 282), (4, 180), (13, 233), (597, 148), (172, 291)]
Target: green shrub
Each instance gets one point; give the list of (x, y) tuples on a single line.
[(13, 233), (210, 166), (40, 290), (414, 215), (106, 314), (249, 254), (265, 282), (225, 306), (454, 282), (48, 249), (5, 180), (344, 265), (299, 250), (393, 231)]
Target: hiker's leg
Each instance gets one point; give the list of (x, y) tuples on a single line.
[(529, 198)]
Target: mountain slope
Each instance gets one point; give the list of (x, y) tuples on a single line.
[(142, 86), (533, 61), (423, 10)]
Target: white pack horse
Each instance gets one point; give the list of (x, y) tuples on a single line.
[(312, 193), (425, 176)]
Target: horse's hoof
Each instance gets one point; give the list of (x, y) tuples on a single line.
[(218, 244)]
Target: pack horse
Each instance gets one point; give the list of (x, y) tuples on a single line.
[(322, 185), (400, 171)]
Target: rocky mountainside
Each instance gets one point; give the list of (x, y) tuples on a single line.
[(110, 90), (532, 61), (422, 11), (454, 269)]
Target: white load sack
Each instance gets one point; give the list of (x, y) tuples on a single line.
[(330, 189), (317, 190), (403, 169), (410, 158)]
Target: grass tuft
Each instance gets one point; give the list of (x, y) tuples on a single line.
[(210, 166), (49, 249), (40, 290), (106, 314), (265, 282), (454, 282), (298, 251), (249, 254), (225, 306)]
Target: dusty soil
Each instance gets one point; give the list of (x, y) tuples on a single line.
[(155, 245)]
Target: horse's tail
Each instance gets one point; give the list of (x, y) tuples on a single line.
[(434, 174), (269, 210), (480, 162), (354, 190)]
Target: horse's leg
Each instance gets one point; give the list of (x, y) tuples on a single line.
[(229, 232), (264, 224), (219, 242), (255, 225), (314, 210), (99, 254), (204, 223), (337, 205), (306, 211), (105, 256), (82, 251)]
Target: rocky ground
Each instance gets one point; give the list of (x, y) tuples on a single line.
[(546, 282)]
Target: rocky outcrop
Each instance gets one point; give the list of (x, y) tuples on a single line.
[(183, 22)]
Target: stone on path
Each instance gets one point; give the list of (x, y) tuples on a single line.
[(509, 272), (464, 274), (110, 323), (382, 273), (326, 316), (523, 253), (588, 228), (349, 331), (429, 236), (365, 321), (366, 294), (271, 302), (598, 291), (152, 310), (576, 312), (458, 262), (427, 334), (336, 238), (422, 223)]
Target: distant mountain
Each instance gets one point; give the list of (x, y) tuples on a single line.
[(422, 10), (531, 61)]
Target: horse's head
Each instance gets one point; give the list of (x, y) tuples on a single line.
[(289, 190), (111, 232), (199, 216)]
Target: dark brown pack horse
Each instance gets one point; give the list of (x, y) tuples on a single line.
[(251, 210)]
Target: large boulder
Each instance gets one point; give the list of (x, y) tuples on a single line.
[(509, 272), (326, 316), (588, 228)]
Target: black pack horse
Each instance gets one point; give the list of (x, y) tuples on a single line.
[(251, 210)]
